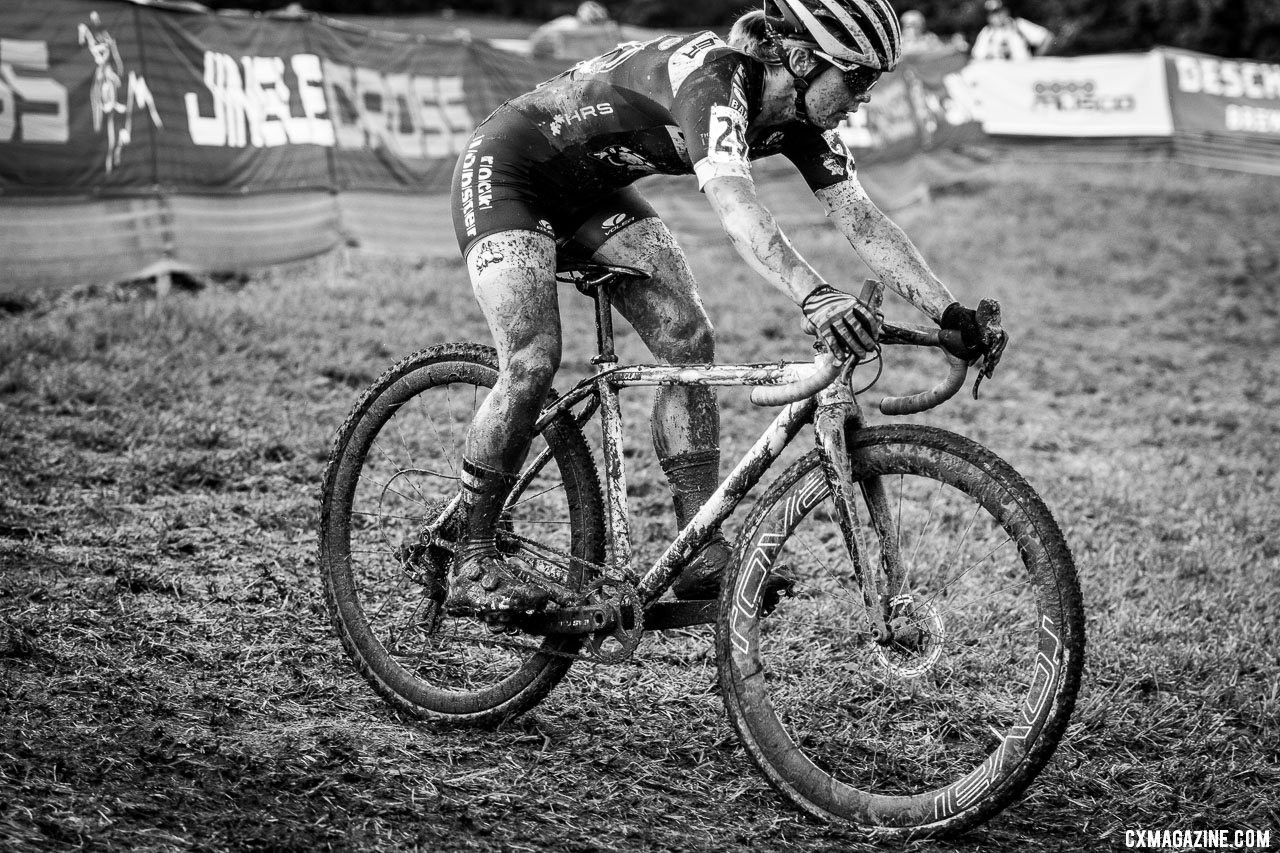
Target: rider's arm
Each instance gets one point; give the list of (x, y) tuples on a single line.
[(758, 239), (884, 247)]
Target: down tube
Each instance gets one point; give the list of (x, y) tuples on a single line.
[(727, 497)]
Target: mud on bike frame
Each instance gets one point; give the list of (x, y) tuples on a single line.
[(807, 391)]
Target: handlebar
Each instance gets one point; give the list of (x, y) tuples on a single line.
[(937, 395), (811, 379)]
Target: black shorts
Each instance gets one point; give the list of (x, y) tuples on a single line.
[(496, 188)]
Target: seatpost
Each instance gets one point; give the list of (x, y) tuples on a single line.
[(604, 321)]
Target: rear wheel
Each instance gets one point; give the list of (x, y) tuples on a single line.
[(946, 725), (389, 523)]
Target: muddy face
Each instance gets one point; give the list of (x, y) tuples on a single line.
[(828, 99)]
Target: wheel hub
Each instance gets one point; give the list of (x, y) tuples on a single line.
[(917, 638)]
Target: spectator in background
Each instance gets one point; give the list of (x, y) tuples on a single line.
[(1009, 38), (916, 37), (588, 32)]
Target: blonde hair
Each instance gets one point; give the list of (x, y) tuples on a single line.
[(750, 35)]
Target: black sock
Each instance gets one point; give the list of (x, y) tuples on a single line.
[(693, 476), (484, 491)]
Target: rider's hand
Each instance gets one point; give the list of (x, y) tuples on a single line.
[(844, 322), (964, 335)]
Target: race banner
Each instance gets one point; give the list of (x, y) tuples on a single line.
[(1088, 96), (1224, 96), (115, 98), (1226, 112)]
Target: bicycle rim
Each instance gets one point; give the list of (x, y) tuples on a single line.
[(387, 537), (940, 730)]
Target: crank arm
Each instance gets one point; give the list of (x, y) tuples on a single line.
[(569, 620)]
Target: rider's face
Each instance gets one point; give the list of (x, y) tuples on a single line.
[(835, 93)]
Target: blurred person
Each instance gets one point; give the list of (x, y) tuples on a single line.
[(916, 37), (1008, 38), (591, 24), (552, 170)]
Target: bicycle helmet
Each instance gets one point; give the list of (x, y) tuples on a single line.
[(846, 32)]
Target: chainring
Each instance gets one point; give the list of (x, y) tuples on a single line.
[(624, 600)]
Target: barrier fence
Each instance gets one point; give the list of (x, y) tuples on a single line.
[(142, 137)]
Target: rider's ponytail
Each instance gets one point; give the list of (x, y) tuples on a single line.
[(753, 34)]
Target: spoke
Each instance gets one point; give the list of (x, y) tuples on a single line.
[(393, 595), (845, 592), (915, 552), (523, 501), (395, 635), (983, 597), (415, 518), (453, 435), (386, 487), (435, 428), (979, 562), (964, 537), (408, 455), (901, 480)]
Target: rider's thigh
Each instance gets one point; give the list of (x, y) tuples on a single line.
[(513, 277), (665, 309)]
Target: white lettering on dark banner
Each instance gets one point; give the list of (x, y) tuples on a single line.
[(33, 106), (253, 102), (416, 117), (1242, 119), (267, 101), (1228, 79)]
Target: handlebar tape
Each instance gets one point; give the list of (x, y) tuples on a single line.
[(940, 393)]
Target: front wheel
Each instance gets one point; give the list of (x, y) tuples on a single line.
[(939, 729)]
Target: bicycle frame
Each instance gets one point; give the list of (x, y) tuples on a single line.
[(832, 411)]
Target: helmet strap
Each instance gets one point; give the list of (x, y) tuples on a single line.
[(802, 83)]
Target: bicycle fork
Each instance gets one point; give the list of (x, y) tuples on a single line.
[(838, 417)]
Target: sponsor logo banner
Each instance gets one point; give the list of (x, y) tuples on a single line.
[(1095, 96), (1223, 96)]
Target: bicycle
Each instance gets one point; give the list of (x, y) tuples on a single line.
[(932, 586)]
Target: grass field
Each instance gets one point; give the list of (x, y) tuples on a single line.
[(168, 679)]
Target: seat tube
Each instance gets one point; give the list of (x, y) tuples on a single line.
[(617, 524)]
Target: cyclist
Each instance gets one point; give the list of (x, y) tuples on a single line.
[(554, 167)]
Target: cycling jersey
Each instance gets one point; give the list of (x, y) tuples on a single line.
[(675, 105)]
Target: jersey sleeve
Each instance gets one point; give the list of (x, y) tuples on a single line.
[(821, 158), (710, 109)]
